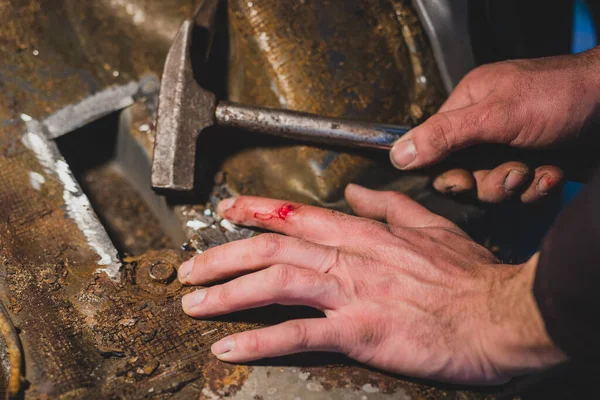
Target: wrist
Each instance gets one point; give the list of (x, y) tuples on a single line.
[(590, 74), (519, 341)]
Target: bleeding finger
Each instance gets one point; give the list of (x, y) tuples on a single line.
[(500, 183), (454, 181), (279, 284), (243, 256), (315, 224), (296, 336), (547, 178)]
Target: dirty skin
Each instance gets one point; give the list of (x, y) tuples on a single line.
[(279, 213)]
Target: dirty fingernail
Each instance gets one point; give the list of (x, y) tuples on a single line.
[(546, 183), (193, 299), (403, 153), (223, 347), (453, 189), (513, 180), (186, 268), (226, 205)]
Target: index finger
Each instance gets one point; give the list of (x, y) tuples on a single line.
[(319, 225)]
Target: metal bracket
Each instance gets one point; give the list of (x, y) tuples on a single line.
[(447, 25)]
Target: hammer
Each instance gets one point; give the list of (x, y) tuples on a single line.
[(186, 109)]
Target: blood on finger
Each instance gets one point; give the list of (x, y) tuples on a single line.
[(546, 183), (279, 213)]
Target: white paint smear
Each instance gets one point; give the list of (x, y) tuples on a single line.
[(76, 202), (196, 224), (36, 180), (229, 226)]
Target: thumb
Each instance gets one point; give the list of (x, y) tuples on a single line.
[(392, 207), (449, 131)]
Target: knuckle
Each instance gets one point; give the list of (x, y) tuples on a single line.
[(282, 276), (339, 290), (223, 294), (373, 229), (516, 78), (396, 197), (270, 245), (300, 335), (476, 73), (361, 288), (511, 70), (440, 129), (333, 260), (482, 117), (488, 117), (250, 342), (447, 235), (499, 117), (485, 74), (367, 336)]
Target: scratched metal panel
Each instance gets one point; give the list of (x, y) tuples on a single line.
[(85, 334), (364, 59)]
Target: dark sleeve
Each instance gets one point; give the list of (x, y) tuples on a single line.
[(567, 283)]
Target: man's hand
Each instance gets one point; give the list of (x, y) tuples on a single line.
[(414, 296), (531, 104)]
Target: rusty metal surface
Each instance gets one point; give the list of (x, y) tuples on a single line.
[(85, 335), (186, 110), (14, 354), (364, 60)]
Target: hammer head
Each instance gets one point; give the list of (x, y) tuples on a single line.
[(185, 108)]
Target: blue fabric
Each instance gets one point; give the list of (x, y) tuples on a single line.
[(584, 34), (584, 38)]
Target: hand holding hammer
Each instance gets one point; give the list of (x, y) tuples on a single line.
[(186, 110)]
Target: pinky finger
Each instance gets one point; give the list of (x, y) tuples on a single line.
[(296, 336)]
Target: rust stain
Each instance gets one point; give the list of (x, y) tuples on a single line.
[(375, 65), (224, 379), (15, 353)]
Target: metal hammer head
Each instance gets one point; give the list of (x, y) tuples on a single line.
[(185, 109)]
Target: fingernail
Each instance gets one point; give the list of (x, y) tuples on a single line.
[(191, 300), (546, 183), (186, 268), (513, 180), (454, 189), (403, 153), (223, 347), (226, 205)]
